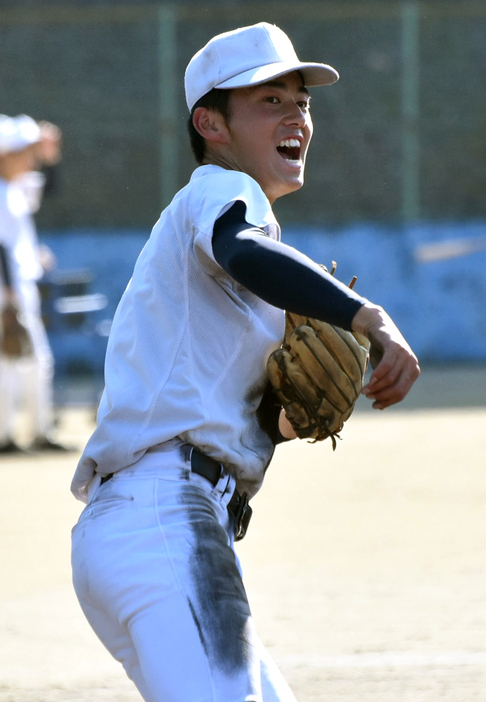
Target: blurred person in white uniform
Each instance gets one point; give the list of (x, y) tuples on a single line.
[(25, 383)]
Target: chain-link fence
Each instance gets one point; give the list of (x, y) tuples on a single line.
[(401, 136)]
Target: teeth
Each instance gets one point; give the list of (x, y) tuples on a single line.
[(290, 143)]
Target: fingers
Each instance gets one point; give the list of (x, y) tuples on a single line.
[(397, 369), (393, 378)]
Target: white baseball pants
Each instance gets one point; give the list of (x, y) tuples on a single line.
[(157, 577), (26, 383)]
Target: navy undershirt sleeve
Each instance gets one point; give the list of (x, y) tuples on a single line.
[(279, 274)]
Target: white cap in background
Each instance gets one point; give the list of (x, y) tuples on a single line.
[(17, 133)]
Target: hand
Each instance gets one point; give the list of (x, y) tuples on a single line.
[(395, 366), (48, 150), (47, 258)]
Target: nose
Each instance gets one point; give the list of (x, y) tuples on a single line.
[(295, 114)]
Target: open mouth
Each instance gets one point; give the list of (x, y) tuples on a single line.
[(289, 149)]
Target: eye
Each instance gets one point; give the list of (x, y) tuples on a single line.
[(304, 105), (272, 99)]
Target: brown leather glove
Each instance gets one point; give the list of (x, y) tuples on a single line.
[(318, 374), (15, 341)]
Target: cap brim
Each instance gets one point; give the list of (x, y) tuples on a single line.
[(314, 74), (17, 133)]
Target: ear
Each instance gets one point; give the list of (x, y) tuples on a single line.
[(210, 125)]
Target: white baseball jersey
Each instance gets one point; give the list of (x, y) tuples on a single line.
[(19, 237), (188, 348)]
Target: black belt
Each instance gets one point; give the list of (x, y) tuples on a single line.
[(238, 506), (212, 470)]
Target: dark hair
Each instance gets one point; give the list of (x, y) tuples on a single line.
[(217, 100)]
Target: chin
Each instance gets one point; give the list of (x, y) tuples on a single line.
[(276, 188), (294, 185)]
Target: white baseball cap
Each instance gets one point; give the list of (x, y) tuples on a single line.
[(248, 56), (16, 133)]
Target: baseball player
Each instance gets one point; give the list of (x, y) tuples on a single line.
[(187, 425), (27, 381)]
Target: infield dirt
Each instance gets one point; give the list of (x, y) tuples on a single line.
[(365, 567)]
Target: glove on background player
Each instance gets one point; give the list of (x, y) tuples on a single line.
[(15, 339)]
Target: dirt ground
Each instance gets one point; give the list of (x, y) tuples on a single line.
[(365, 566)]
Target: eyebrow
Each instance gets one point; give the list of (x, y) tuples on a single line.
[(282, 85)]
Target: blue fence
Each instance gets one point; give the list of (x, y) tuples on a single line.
[(429, 277)]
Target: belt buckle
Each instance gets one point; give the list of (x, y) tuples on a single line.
[(242, 517)]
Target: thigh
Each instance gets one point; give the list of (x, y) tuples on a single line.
[(158, 563), (209, 643), (119, 643)]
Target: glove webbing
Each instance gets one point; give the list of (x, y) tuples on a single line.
[(320, 392), (310, 410)]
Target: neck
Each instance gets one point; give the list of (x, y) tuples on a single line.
[(220, 159)]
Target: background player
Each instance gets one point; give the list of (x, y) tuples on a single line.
[(187, 424), (25, 147)]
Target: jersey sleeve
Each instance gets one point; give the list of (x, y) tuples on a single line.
[(214, 194)]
